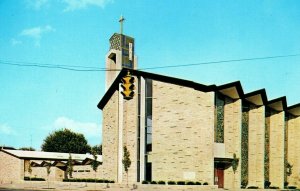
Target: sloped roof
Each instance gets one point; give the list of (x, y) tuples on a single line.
[(233, 90), (157, 77), (39, 155)]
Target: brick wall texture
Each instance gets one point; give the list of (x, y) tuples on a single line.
[(256, 147), (294, 150), (11, 168), (232, 140), (183, 137), (182, 133), (277, 149), (110, 138)]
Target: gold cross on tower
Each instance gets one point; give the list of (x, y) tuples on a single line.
[(122, 19)]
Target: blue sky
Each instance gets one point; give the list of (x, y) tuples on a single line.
[(36, 101)]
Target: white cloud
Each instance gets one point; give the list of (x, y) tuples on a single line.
[(81, 4), (7, 130), (88, 129), (37, 32), (36, 4), (15, 42)]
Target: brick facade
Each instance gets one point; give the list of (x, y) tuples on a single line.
[(11, 168), (256, 148), (277, 149), (232, 140), (183, 131), (294, 150)]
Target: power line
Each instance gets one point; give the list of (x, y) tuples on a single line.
[(53, 66), (222, 61), (80, 68)]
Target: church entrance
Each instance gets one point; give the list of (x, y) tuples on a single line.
[(220, 165), (219, 177)]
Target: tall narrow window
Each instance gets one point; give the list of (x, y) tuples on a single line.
[(288, 117), (219, 118), (148, 116), (267, 142), (244, 143), (148, 128), (139, 131)]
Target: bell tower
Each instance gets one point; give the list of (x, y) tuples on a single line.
[(120, 55)]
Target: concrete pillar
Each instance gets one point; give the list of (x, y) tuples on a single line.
[(232, 140), (294, 150), (276, 175), (256, 150)]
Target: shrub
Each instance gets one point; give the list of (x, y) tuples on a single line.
[(161, 182), (292, 187), (100, 180), (180, 182), (26, 178), (153, 182), (145, 182), (286, 184), (106, 181), (111, 181), (37, 179), (244, 184), (190, 183), (198, 183), (252, 187), (171, 182), (205, 183), (274, 187), (90, 180), (267, 184)]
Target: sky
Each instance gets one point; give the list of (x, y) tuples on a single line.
[(36, 101)]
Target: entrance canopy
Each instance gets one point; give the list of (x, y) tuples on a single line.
[(40, 159), (223, 163)]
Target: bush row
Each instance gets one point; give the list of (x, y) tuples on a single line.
[(174, 183), (26, 178), (88, 180)]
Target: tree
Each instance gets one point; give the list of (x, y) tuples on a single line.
[(48, 171), (126, 161), (27, 149), (70, 166), (66, 141), (94, 164), (97, 149), (30, 171)]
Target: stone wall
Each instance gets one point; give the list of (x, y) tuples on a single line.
[(232, 140), (110, 138), (294, 150), (86, 171), (130, 116), (182, 134), (277, 149), (11, 168), (256, 150), (41, 172)]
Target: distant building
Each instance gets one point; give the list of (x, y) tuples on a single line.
[(14, 165), (177, 129)]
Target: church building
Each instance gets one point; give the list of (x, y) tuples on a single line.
[(180, 130)]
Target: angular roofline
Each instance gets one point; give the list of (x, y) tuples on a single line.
[(157, 77), (191, 84), (293, 106), (236, 84), (280, 99), (261, 92), (53, 156)]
